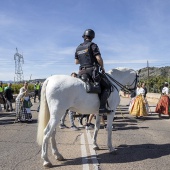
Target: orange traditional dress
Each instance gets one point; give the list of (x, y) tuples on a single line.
[(164, 102), (163, 105)]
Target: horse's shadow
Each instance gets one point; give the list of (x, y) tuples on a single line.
[(134, 153), (127, 127), (125, 154)]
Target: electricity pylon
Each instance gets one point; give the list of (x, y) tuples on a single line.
[(19, 60)]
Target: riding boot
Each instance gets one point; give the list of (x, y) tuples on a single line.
[(103, 100)]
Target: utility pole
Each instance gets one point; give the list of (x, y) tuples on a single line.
[(19, 60), (30, 77), (148, 75), (168, 79)]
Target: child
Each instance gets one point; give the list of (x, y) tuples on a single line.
[(27, 107)]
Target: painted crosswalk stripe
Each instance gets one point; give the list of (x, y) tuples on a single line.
[(92, 151), (84, 153)]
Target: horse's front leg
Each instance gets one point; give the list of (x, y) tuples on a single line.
[(97, 127), (55, 151), (109, 131)]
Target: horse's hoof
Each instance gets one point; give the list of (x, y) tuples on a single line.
[(47, 165), (113, 152), (60, 158), (96, 148)]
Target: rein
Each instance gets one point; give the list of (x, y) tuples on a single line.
[(121, 85)]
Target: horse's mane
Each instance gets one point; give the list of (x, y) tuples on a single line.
[(122, 69)]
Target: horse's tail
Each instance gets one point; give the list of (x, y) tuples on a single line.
[(44, 114)]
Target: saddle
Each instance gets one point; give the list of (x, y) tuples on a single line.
[(92, 77), (91, 86)]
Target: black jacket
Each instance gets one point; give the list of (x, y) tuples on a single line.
[(8, 94)]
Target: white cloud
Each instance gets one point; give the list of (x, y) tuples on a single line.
[(127, 61)]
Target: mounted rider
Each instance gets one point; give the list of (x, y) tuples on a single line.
[(89, 57)]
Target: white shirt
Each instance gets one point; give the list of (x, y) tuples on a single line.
[(165, 90), (140, 91), (21, 93)]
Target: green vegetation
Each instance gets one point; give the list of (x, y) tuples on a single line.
[(155, 84), (16, 87)]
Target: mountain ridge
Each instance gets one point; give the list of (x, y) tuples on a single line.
[(154, 72)]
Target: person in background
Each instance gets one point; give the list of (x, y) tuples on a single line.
[(90, 125), (27, 107), (2, 95), (9, 97), (38, 108), (37, 91), (163, 104), (165, 90), (137, 106), (140, 90), (71, 114), (19, 99), (62, 124), (144, 87)]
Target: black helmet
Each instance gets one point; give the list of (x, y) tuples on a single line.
[(90, 33)]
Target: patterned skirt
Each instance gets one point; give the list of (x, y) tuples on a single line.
[(18, 108)]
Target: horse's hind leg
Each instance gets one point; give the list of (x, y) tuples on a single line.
[(97, 127), (47, 134), (55, 151)]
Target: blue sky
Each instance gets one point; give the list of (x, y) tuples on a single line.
[(47, 32)]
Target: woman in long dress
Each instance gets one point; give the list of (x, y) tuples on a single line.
[(137, 106), (164, 102)]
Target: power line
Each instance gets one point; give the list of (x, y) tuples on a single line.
[(148, 74), (19, 60)]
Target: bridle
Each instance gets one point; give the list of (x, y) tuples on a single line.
[(123, 88)]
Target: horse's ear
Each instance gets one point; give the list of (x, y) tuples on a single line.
[(139, 71)]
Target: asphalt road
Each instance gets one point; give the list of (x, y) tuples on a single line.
[(140, 144)]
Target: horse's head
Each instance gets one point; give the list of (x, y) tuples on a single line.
[(126, 78)]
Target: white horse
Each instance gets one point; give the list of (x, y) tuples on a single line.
[(61, 92)]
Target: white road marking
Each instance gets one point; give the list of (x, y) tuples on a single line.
[(92, 151), (84, 153)]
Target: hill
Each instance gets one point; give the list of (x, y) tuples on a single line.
[(154, 72)]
